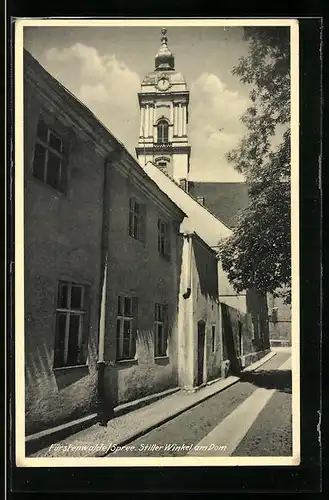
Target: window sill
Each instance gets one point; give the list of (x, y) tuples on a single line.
[(142, 242), (126, 362), (161, 360), (63, 368), (54, 190), (167, 258)]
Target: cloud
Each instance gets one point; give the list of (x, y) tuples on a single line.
[(109, 88), (104, 84), (214, 127)]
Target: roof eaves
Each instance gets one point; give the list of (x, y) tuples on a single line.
[(188, 194)]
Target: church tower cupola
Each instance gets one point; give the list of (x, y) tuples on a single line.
[(163, 101), (164, 60)]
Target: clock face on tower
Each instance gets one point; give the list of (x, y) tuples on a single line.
[(163, 84)]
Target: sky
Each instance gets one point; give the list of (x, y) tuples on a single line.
[(104, 66)]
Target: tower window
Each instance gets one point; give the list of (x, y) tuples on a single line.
[(163, 131)]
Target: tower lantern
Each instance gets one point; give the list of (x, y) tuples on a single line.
[(163, 102)]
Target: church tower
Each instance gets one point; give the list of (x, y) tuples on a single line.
[(163, 102)]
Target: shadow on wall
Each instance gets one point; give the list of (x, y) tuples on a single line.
[(271, 379), (68, 376), (230, 351), (206, 265)]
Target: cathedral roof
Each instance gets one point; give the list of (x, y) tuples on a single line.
[(224, 199)]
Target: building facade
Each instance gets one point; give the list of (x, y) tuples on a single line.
[(90, 206), (63, 184), (125, 296)]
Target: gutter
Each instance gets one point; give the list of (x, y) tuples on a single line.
[(104, 407), (188, 275)]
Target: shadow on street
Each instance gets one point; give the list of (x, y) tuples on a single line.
[(269, 379)]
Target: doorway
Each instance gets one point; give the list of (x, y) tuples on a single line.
[(201, 349), (240, 339)]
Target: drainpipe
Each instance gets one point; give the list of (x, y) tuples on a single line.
[(187, 293), (104, 408), (103, 417)]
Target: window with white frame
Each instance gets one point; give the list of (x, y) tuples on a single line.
[(71, 325), (160, 330), (126, 327), (164, 238), (137, 219), (49, 165)]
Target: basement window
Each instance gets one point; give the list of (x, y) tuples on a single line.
[(71, 325)]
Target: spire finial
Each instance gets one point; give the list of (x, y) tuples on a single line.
[(164, 60)]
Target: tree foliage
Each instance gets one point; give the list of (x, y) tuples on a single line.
[(258, 252)]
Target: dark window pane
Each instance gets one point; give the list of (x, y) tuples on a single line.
[(162, 245), (136, 227), (159, 340), (39, 162), (53, 170), (73, 345), (118, 339), (142, 230), (55, 142), (131, 224), (60, 339), (42, 131), (127, 329), (62, 296), (126, 349), (134, 307), (76, 297), (118, 328), (119, 306), (167, 247), (127, 306)]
